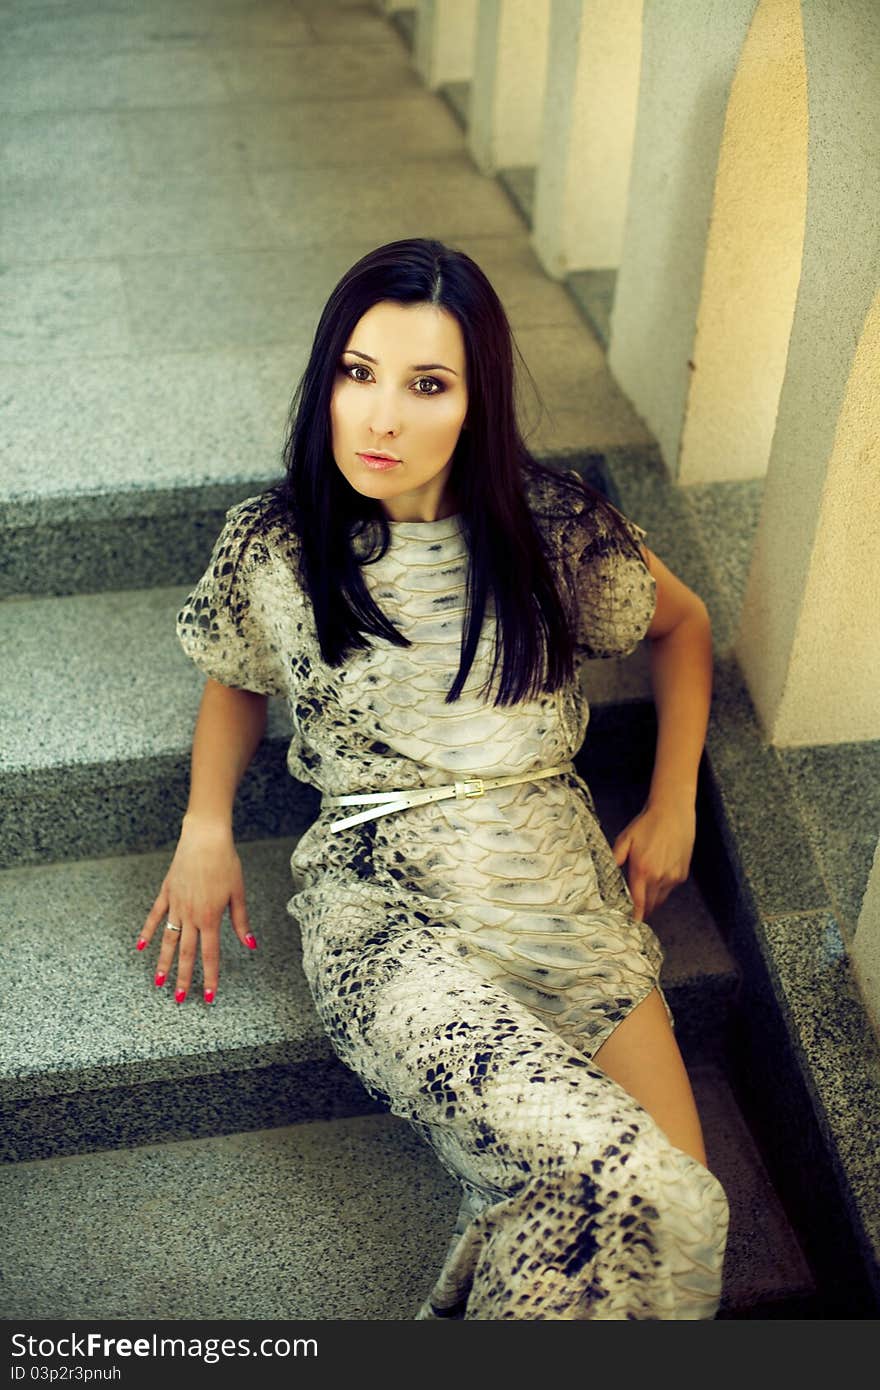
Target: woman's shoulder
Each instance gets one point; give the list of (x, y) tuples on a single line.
[(550, 491), (598, 552), (258, 528), (569, 510)]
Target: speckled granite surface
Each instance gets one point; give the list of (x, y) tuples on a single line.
[(347, 1219), (100, 1057), (837, 792), (323, 1220), (839, 1052), (764, 1263), (593, 292), (99, 1022), (783, 875), (89, 552), (96, 732), (679, 531)]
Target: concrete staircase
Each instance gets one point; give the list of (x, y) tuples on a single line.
[(217, 1162), (204, 1141)]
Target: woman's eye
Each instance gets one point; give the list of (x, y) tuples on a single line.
[(424, 385)]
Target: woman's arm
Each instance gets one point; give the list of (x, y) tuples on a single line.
[(659, 842), (205, 876), (229, 728), (681, 676)]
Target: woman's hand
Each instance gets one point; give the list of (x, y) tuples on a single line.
[(204, 878), (658, 844)]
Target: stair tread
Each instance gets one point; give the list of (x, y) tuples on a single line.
[(98, 1016), (241, 1226), (272, 1224), (96, 734), (764, 1262), (99, 1021), (96, 678), (222, 418)]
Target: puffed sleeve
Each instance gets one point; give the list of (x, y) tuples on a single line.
[(615, 592), (230, 625)]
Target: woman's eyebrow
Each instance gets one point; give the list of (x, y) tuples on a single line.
[(418, 367)]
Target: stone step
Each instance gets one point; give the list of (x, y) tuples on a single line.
[(336, 1219), (96, 732), (157, 529), (96, 728), (95, 1056), (119, 538)]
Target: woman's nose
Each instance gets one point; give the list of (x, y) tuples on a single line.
[(385, 416)]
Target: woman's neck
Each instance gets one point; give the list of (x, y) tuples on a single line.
[(446, 506)]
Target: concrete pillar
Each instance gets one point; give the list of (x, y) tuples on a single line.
[(690, 54), (865, 949), (507, 96), (753, 258), (445, 41), (809, 639), (581, 188), (809, 636)]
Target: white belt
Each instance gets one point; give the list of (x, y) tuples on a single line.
[(465, 790)]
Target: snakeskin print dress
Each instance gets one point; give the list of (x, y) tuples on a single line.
[(468, 958)]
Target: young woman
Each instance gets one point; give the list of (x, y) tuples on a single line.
[(424, 595)]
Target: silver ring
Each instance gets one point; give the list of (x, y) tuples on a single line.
[(169, 926)]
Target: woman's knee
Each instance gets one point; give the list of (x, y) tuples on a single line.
[(631, 1230), (649, 1188), (642, 1056), (650, 1210)]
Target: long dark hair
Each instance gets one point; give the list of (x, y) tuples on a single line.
[(534, 644)]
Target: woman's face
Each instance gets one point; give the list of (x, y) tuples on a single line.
[(401, 391)]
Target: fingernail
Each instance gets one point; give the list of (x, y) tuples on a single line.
[(209, 996), (160, 978), (180, 995), (141, 944), (250, 939)]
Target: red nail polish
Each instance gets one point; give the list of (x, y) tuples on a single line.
[(141, 944), (160, 978), (180, 995), (209, 996), (251, 941)]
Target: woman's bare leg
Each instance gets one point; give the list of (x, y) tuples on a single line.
[(642, 1056)]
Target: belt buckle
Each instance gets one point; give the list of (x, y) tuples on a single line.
[(469, 788)]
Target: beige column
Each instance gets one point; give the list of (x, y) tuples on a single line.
[(507, 96), (809, 638), (753, 256), (865, 950), (445, 41), (689, 57), (800, 350), (582, 182)]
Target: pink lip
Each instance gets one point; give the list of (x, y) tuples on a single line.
[(379, 462)]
